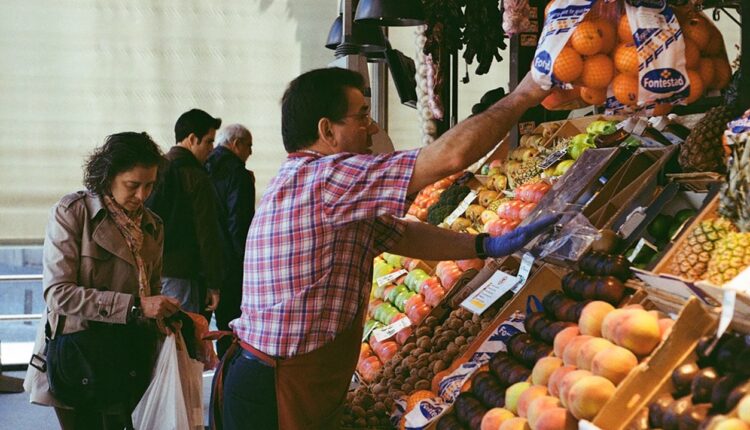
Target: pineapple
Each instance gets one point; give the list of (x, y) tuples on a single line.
[(732, 253), (527, 171), (703, 151), (692, 259)]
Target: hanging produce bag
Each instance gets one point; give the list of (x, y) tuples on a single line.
[(629, 55)]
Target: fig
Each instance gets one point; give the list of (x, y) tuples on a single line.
[(565, 311), (518, 343), (568, 285), (607, 242), (727, 352), (736, 395), (485, 386), (609, 289), (500, 363), (531, 319), (703, 385), (721, 391), (449, 422), (657, 408), (682, 378), (468, 406), (582, 287), (548, 335), (620, 268), (552, 301), (519, 373), (670, 418), (577, 309), (703, 351), (692, 417)]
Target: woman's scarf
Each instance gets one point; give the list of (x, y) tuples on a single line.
[(130, 227)]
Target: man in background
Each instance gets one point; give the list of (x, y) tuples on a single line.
[(186, 203), (235, 190)]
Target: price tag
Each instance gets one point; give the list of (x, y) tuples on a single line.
[(648, 18), (494, 288), (553, 158), (527, 262), (387, 279), (384, 333), (641, 243), (727, 311), (461, 209)]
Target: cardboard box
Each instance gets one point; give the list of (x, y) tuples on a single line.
[(651, 376)]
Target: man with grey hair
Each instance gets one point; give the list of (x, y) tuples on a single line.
[(235, 191)]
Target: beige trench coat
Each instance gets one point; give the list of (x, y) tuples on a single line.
[(89, 273)]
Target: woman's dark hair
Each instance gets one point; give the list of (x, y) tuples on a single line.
[(317, 94), (120, 153)]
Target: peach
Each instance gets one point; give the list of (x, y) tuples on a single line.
[(525, 399), (513, 393), (556, 377), (516, 423), (732, 424), (538, 406), (614, 363), (543, 369), (592, 316), (567, 383), (494, 417), (587, 396), (562, 339), (570, 354), (665, 327), (638, 332), (611, 321), (556, 419), (589, 349)]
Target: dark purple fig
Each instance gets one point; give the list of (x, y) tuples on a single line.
[(721, 391), (485, 387), (548, 336), (703, 351), (475, 423), (518, 374), (657, 408), (589, 288), (565, 311), (578, 308), (610, 290), (670, 418), (703, 385), (518, 344), (568, 281), (727, 352), (539, 326), (500, 362), (692, 417), (541, 350), (552, 301), (449, 422), (532, 319), (682, 378), (736, 395), (467, 406), (620, 268)]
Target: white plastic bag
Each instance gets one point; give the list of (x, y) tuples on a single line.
[(191, 380), (163, 405)]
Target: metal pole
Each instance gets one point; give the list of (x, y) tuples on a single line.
[(745, 56)]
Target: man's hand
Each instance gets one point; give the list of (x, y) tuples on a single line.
[(212, 300), (509, 243), (158, 307)]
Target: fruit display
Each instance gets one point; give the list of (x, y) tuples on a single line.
[(703, 150), (600, 59), (429, 196)]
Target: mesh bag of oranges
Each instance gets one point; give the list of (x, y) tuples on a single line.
[(629, 55)]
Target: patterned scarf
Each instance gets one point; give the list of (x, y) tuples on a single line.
[(130, 227)]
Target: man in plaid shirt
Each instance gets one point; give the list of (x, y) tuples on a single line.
[(308, 257)]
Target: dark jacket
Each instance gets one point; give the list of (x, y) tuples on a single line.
[(235, 191), (186, 203)]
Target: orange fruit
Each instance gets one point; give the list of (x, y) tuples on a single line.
[(568, 65), (696, 86), (722, 73), (609, 35), (598, 71), (692, 54), (715, 44), (626, 59), (586, 38), (698, 30), (662, 109), (623, 29), (625, 88), (594, 96), (706, 70)]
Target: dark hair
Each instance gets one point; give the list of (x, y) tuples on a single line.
[(317, 94), (194, 121), (119, 153)]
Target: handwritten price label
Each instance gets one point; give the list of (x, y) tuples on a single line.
[(494, 288), (387, 279), (527, 263), (461, 209), (384, 333)]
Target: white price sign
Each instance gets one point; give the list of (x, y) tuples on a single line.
[(727, 311), (387, 279), (461, 209), (494, 288), (384, 333), (527, 263)]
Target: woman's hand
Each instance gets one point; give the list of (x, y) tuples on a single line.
[(158, 307)]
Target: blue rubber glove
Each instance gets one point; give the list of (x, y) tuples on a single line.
[(509, 243)]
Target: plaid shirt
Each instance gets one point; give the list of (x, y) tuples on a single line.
[(309, 251)]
